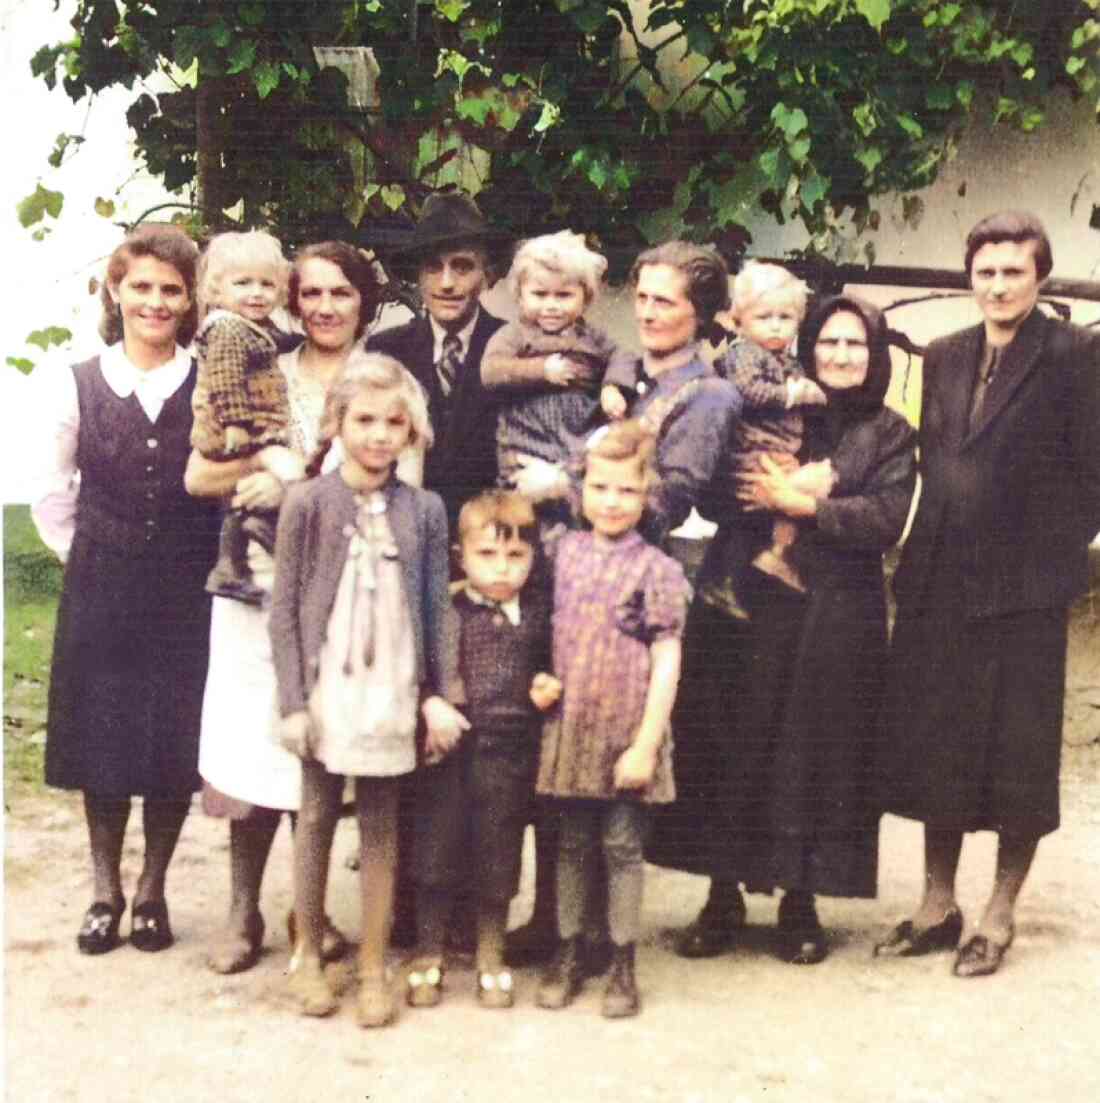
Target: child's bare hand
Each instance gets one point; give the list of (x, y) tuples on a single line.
[(612, 402), (445, 727), (559, 370), (296, 734), (284, 463), (545, 691), (236, 438), (805, 392), (635, 768)]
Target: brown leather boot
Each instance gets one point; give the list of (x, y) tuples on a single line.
[(563, 977), (620, 997)]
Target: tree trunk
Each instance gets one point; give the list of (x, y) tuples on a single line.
[(209, 94)]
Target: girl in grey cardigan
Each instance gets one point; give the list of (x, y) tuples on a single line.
[(357, 619)]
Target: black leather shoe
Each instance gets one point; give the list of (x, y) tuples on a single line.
[(99, 928), (150, 930), (801, 938), (978, 956), (906, 941), (714, 931)]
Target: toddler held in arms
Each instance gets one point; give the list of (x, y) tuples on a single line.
[(769, 304), (240, 399), (551, 361)]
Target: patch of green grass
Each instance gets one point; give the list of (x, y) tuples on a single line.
[(32, 583)]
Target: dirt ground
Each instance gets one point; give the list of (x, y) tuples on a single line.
[(741, 1028)]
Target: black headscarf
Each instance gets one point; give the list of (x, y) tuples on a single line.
[(868, 397)]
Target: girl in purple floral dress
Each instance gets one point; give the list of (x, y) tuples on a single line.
[(619, 611)]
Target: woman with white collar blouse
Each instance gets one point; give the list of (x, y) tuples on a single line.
[(130, 648)]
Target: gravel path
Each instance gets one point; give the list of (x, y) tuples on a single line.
[(744, 1027)]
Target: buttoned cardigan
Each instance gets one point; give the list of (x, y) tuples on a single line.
[(315, 528)]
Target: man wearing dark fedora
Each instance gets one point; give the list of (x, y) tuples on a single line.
[(450, 247)]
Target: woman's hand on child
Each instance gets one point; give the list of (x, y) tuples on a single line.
[(816, 479), (284, 463), (545, 691), (612, 402), (773, 490), (538, 480), (296, 734), (635, 768), (747, 480), (260, 490), (445, 727), (559, 370)]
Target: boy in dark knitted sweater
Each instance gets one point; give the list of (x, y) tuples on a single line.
[(473, 805)]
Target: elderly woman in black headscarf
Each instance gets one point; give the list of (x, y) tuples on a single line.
[(781, 709)]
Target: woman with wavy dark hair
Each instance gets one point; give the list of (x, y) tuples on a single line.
[(133, 623), (249, 779), (777, 722)]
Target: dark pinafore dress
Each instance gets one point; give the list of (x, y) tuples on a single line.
[(133, 624)]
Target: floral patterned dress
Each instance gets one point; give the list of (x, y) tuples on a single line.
[(612, 600)]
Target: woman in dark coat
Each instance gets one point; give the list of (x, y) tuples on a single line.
[(776, 726), (1010, 498), (130, 647)]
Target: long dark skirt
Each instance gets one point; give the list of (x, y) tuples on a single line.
[(973, 716), (129, 663), (690, 833), (776, 765), (801, 806)]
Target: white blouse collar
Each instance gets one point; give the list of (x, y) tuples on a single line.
[(160, 382)]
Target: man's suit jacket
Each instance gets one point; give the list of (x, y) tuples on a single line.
[(1018, 494), (463, 459)]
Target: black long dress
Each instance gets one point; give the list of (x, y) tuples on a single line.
[(133, 624), (777, 722)]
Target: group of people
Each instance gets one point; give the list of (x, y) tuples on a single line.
[(437, 562)]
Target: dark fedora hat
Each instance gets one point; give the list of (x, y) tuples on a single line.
[(449, 219)]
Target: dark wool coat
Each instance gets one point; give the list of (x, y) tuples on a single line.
[(998, 549), (1021, 492), (462, 461), (776, 719)]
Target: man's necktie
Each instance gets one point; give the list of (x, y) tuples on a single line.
[(449, 363), (987, 369)]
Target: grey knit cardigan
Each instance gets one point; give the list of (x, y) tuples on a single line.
[(315, 527)]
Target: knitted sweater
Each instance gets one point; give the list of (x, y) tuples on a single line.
[(497, 661)]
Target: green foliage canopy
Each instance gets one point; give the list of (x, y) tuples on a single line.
[(628, 121)]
